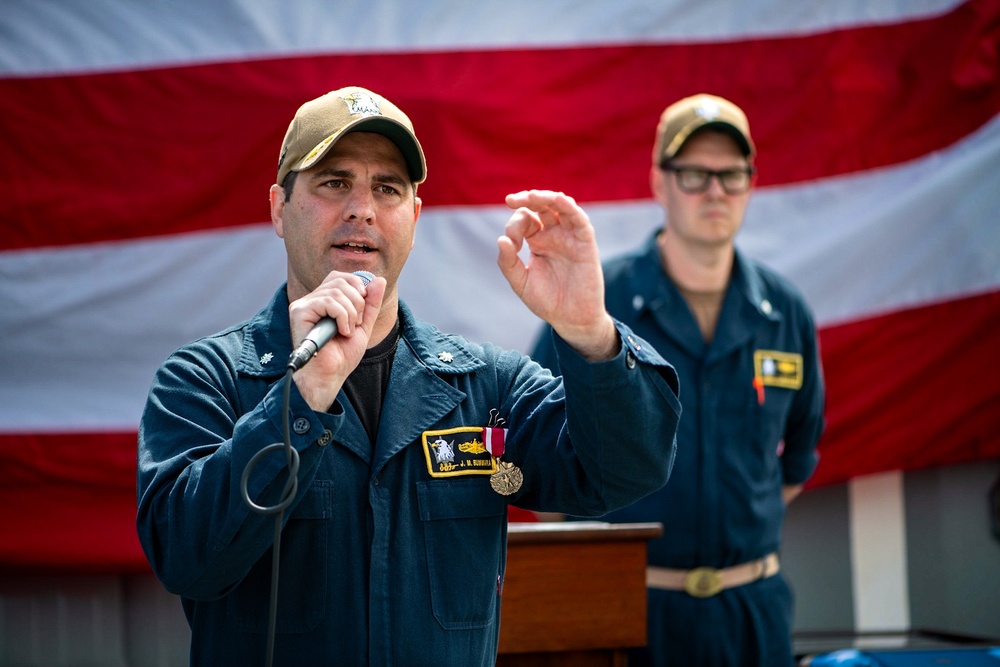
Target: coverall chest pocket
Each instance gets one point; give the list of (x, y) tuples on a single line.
[(302, 590), (463, 534)]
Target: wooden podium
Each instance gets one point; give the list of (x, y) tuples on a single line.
[(574, 593)]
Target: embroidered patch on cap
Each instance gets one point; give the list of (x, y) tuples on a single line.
[(361, 104), (457, 451), (708, 109), (778, 369)]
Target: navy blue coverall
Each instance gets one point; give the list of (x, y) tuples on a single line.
[(737, 444)]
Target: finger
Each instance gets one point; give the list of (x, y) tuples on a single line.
[(535, 200), (359, 283), (306, 313), (340, 306), (510, 264), (558, 207), (340, 297), (361, 286), (347, 293), (553, 209), (539, 200), (522, 224), (516, 199)]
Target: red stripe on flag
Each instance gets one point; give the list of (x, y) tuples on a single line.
[(123, 155), (905, 391), (69, 503), (912, 390)]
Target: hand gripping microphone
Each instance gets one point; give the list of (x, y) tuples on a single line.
[(320, 334)]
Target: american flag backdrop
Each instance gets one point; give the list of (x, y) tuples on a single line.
[(139, 140)]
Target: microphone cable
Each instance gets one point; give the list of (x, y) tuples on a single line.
[(288, 494), (325, 329)]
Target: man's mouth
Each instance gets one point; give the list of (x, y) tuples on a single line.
[(354, 247)]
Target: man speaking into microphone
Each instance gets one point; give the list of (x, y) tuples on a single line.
[(346, 504)]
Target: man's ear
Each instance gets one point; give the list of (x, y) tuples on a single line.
[(658, 184), (277, 197), (417, 206)]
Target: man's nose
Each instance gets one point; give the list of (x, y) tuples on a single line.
[(360, 206)]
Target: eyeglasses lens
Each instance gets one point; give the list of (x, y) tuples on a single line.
[(694, 181)]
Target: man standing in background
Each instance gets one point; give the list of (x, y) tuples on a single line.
[(744, 344)]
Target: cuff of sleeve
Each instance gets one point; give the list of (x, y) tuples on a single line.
[(634, 351), (798, 469), (305, 425)]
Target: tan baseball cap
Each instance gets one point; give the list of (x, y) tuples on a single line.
[(682, 118), (319, 123)]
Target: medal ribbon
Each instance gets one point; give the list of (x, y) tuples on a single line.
[(493, 438)]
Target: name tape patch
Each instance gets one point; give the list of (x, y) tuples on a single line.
[(778, 369), (457, 451)]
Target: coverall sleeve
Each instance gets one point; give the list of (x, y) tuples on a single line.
[(618, 440), (196, 437)]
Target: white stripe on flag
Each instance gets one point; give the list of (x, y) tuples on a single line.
[(85, 327), (885, 240), (44, 37)]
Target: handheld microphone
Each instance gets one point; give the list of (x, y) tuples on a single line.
[(320, 334)]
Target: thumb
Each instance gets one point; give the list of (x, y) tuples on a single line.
[(375, 292)]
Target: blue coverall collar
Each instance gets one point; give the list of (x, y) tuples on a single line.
[(662, 298)]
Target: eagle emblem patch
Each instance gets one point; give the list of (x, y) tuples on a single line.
[(457, 451)]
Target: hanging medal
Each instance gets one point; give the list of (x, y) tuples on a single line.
[(508, 478)]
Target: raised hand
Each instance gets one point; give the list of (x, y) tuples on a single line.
[(561, 282)]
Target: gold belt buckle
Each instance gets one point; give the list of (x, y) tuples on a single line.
[(703, 582)]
